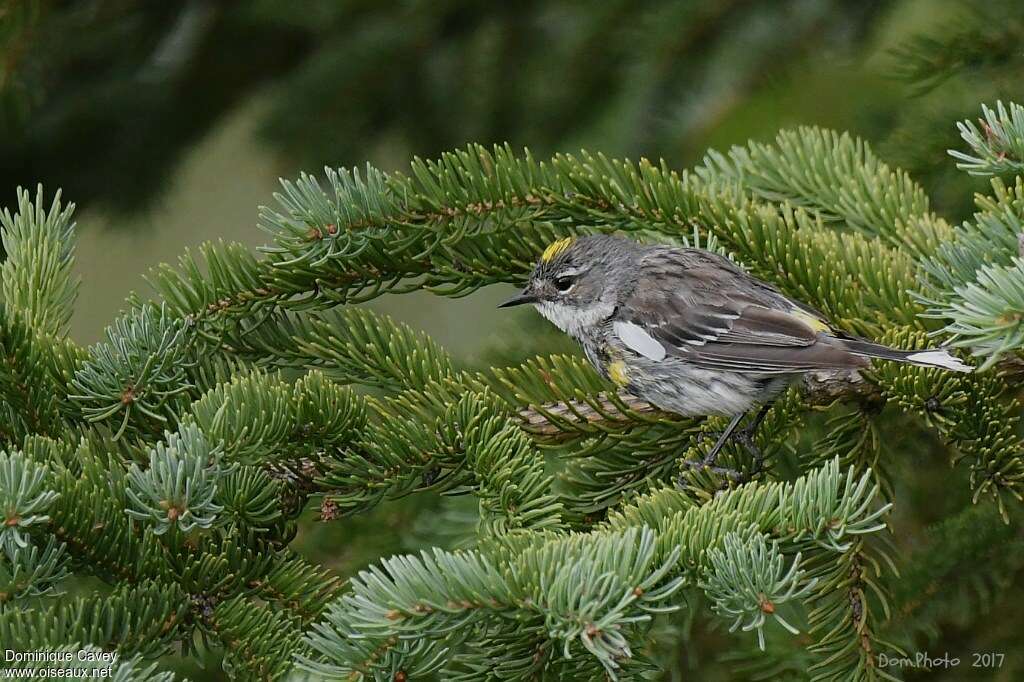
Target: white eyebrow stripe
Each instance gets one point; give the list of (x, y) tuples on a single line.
[(637, 339)]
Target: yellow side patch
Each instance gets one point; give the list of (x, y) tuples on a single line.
[(811, 321), (555, 248), (617, 373)]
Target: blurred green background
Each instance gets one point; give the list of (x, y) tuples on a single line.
[(170, 122)]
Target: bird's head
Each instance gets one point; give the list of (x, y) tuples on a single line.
[(577, 280)]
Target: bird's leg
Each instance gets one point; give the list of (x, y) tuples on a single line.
[(752, 427), (723, 438), (708, 462), (747, 433), (745, 436)]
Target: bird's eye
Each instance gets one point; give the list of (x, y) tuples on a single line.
[(563, 284)]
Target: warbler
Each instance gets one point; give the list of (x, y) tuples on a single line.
[(689, 331)]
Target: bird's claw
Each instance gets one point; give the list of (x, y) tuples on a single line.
[(709, 466), (745, 437)]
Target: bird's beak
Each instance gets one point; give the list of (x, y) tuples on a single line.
[(519, 299)]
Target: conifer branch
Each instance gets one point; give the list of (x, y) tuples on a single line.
[(23, 487), (28, 571), (171, 459), (92, 660), (35, 277), (35, 371), (586, 604), (177, 489), (350, 346), (476, 217), (141, 619), (436, 595), (258, 641), (747, 583), (997, 142), (260, 418), (839, 178), (136, 380)]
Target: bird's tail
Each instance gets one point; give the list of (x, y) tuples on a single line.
[(932, 357)]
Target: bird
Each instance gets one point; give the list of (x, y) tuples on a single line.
[(690, 332)]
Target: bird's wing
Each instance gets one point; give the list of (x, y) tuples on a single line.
[(702, 308)]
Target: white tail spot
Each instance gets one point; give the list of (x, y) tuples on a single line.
[(939, 358)]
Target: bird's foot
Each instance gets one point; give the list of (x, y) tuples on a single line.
[(744, 437), (705, 465)]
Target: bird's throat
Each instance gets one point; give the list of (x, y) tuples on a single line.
[(575, 321)]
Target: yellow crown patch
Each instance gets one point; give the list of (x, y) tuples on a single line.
[(555, 248)]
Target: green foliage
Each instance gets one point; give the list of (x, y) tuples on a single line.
[(393, 80), (958, 53), (749, 573), (134, 619), (990, 311), (347, 346), (838, 178), (37, 292), (36, 276), (25, 571), (514, 490), (980, 37), (94, 661), (137, 377), (259, 642), (973, 281), (172, 460), (256, 415), (23, 489), (997, 150), (584, 597), (250, 498), (178, 487)]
